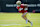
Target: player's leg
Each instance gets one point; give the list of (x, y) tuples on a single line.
[(24, 16), (29, 21)]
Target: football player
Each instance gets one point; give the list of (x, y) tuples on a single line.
[(23, 9)]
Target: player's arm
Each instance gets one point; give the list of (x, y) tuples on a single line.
[(25, 7), (19, 9)]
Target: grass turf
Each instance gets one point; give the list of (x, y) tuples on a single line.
[(15, 20)]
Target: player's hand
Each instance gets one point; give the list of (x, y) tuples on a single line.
[(19, 10)]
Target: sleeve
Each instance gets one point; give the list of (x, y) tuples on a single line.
[(17, 7), (26, 9)]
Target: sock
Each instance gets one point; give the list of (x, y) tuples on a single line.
[(26, 21), (31, 24)]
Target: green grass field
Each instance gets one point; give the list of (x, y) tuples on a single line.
[(15, 20)]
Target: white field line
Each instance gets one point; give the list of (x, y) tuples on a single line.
[(9, 24), (14, 24)]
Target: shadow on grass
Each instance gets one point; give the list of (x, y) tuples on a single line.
[(27, 26)]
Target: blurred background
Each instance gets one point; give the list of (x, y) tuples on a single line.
[(10, 5), (9, 16)]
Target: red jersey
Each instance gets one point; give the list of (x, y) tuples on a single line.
[(21, 8)]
